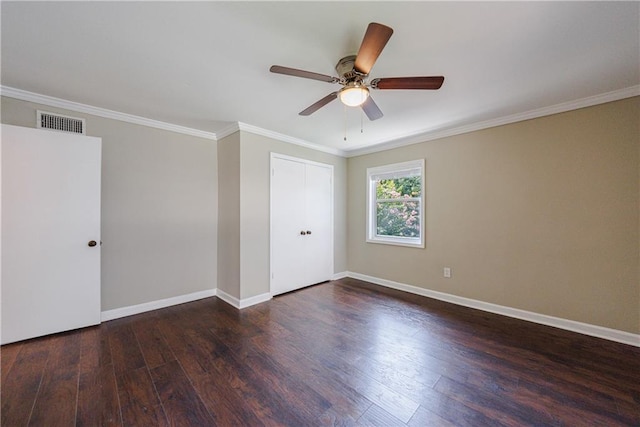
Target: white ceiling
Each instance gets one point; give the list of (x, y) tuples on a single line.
[(206, 64)]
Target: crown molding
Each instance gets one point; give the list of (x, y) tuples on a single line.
[(228, 130), (240, 126), (424, 136), (408, 139), (51, 101), (289, 139)]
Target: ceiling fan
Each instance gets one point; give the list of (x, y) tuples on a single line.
[(354, 70)]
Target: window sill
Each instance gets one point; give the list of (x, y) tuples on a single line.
[(410, 243)]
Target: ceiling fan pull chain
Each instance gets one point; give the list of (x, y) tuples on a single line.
[(361, 121), (345, 122)]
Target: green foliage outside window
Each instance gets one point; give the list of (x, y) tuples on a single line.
[(398, 206)]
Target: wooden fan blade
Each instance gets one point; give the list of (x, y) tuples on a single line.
[(374, 41), (301, 73), (371, 109), (433, 82), (318, 105)]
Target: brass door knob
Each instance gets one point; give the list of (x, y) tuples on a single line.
[(92, 243)]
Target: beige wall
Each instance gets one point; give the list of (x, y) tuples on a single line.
[(254, 246), (541, 215), (229, 215), (159, 208), (163, 233)]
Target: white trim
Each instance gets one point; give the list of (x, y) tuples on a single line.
[(375, 173), (543, 319), (383, 145), (247, 302), (290, 139), (301, 160), (233, 127), (341, 275), (430, 135), (51, 101), (228, 130), (229, 299), (117, 313)]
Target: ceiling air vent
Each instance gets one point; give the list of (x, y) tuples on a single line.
[(60, 123)]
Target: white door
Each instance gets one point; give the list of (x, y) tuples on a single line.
[(50, 222), (287, 223), (301, 223), (319, 214)]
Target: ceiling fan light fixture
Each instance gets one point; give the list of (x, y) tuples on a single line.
[(354, 95)]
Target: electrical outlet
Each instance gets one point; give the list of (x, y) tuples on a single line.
[(447, 272)]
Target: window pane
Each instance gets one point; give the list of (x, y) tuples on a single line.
[(398, 219), (398, 187), (395, 204)]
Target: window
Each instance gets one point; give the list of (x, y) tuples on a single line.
[(395, 204)]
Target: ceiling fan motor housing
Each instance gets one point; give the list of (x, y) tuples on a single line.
[(345, 68)]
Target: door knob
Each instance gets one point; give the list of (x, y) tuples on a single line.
[(302, 233), (92, 243), (308, 232)]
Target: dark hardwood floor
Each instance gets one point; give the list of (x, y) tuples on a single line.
[(341, 353)]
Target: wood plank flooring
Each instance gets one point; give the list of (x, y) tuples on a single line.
[(341, 353)]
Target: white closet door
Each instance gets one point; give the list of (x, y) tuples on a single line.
[(50, 213), (301, 202), (319, 211), (287, 222)]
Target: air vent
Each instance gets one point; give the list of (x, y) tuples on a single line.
[(60, 123)]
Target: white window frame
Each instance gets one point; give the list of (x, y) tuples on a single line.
[(396, 169)]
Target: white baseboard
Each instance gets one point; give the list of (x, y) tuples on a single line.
[(341, 275), (247, 302), (229, 299), (244, 303), (181, 299), (154, 305), (543, 319)]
